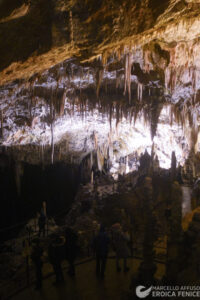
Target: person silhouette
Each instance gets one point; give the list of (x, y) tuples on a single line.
[(71, 249), (36, 256), (120, 245), (100, 245), (56, 254), (41, 223)]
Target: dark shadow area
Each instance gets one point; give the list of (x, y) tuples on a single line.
[(158, 7), (7, 6), (22, 36), (25, 187)]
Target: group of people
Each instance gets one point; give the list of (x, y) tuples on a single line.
[(118, 240), (66, 247), (60, 248)]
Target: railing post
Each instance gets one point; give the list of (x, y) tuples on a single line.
[(131, 243), (27, 270), (47, 227), (35, 223)]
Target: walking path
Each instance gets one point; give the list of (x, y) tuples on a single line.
[(85, 286)]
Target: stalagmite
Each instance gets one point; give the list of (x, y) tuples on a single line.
[(140, 91), (174, 232), (173, 166), (91, 160), (147, 267)]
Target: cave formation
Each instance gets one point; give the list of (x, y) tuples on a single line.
[(96, 96)]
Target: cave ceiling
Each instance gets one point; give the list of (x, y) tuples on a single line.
[(108, 76)]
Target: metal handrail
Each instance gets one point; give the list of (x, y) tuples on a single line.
[(90, 259)]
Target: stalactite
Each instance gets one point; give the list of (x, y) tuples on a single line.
[(167, 78), (147, 54), (71, 28), (131, 115), (30, 107), (2, 123), (155, 111), (100, 159), (117, 80), (193, 139), (110, 148), (127, 165), (171, 114), (121, 113), (173, 79), (194, 80), (91, 160), (140, 91), (62, 105), (99, 77), (42, 156), (111, 114), (196, 147), (117, 113), (95, 141), (170, 72), (127, 75), (52, 131), (136, 112)]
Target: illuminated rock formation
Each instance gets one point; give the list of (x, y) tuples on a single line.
[(114, 72)]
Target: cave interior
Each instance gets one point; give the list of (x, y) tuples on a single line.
[(100, 124)]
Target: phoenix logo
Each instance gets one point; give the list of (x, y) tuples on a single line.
[(141, 293)]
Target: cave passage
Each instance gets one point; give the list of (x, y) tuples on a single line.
[(22, 194)]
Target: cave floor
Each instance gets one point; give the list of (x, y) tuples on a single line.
[(86, 286)]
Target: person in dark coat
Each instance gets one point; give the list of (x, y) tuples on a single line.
[(41, 223), (71, 249), (120, 245), (56, 253), (36, 257), (100, 244)]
